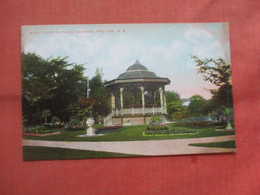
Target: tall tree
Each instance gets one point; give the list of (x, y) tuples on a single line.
[(100, 95), (50, 84), (217, 72)]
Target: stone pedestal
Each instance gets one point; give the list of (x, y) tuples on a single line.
[(90, 131)]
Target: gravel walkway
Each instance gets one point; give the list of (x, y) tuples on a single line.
[(153, 147)]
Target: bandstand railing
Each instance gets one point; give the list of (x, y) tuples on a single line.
[(138, 111)]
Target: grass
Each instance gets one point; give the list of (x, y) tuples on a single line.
[(132, 133), (32, 153), (225, 144)]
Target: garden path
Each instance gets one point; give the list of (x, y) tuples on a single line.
[(152, 147)]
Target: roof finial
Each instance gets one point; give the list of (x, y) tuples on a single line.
[(137, 62)]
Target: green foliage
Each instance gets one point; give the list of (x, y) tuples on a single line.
[(223, 115), (223, 96), (74, 120), (55, 119), (75, 124), (171, 96), (101, 107), (197, 105), (217, 72), (227, 111), (174, 106), (85, 107), (176, 110), (181, 114), (155, 119), (45, 114), (50, 84), (36, 130), (133, 97)]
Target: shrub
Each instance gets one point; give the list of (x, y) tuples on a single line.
[(74, 120), (36, 130), (155, 119), (55, 119), (75, 124)]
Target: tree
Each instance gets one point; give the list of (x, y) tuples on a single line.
[(171, 96), (100, 95), (217, 72), (181, 114), (85, 107), (45, 114), (50, 84), (197, 105), (175, 109)]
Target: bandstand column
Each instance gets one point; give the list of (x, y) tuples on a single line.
[(164, 102), (161, 98), (143, 100), (121, 100), (113, 103)]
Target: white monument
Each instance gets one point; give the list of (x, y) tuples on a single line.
[(90, 131)]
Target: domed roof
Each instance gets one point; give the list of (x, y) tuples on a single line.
[(135, 71), (136, 66), (137, 75)]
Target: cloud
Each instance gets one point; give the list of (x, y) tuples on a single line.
[(207, 43), (196, 33)]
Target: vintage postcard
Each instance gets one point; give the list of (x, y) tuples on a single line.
[(125, 90)]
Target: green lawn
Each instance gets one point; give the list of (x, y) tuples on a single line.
[(32, 153), (132, 133), (225, 144)]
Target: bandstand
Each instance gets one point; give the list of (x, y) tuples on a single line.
[(133, 96)]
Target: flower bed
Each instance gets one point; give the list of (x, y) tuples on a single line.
[(36, 130), (74, 127), (155, 127)]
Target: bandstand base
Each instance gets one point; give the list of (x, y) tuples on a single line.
[(132, 120)]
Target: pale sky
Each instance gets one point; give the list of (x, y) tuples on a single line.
[(162, 48)]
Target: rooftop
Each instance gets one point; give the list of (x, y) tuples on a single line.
[(137, 74), (136, 71)]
